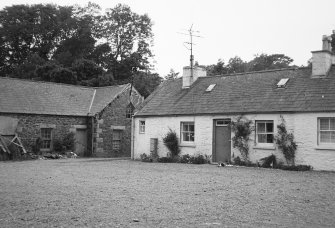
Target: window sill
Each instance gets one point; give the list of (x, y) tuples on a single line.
[(187, 145), (261, 147), (325, 147)]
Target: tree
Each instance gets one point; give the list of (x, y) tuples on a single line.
[(130, 37), (217, 69), (269, 62), (25, 30), (236, 65), (171, 75), (146, 82)]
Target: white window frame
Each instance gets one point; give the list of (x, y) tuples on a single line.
[(188, 131), (324, 130), (264, 133), (142, 126), (44, 139)]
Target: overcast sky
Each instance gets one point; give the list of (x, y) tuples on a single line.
[(229, 27)]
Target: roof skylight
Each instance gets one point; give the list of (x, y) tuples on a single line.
[(282, 83), (210, 87)]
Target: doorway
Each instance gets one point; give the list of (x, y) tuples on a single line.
[(221, 140)]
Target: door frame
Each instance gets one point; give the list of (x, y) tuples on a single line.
[(214, 137)]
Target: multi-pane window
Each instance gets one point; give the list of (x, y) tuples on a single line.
[(187, 131), (327, 130), (264, 131), (46, 136), (142, 126), (130, 111), (117, 135)]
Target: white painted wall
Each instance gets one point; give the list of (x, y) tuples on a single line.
[(303, 125)]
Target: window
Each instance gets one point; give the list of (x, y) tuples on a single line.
[(264, 131), (142, 126), (187, 131), (210, 87), (117, 135), (46, 136), (326, 130), (282, 83), (130, 111)]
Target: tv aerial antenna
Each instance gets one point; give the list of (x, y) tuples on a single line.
[(191, 33)]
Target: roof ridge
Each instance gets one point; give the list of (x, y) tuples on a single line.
[(46, 82)]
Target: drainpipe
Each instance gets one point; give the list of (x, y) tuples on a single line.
[(132, 137)]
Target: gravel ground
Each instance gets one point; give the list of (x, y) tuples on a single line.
[(124, 193)]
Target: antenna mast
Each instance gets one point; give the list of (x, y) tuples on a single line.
[(191, 34)]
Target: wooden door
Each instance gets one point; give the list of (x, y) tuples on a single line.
[(222, 141), (81, 142)]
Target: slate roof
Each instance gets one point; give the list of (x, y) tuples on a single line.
[(254, 92), (35, 97)]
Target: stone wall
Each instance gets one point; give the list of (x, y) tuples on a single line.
[(29, 126), (113, 117), (303, 126)]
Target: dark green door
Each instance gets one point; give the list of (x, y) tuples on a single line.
[(222, 141)]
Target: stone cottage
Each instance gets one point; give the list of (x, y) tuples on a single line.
[(200, 108), (99, 117)]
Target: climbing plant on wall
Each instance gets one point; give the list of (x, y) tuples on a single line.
[(242, 129), (286, 143)]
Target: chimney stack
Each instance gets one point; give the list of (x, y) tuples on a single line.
[(322, 60), (188, 78)]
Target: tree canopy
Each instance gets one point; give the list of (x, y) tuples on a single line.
[(74, 44), (260, 62)]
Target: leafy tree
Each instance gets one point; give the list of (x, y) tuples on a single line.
[(171, 75), (26, 29), (28, 68), (217, 69), (86, 69), (236, 65), (130, 37), (63, 75), (269, 62), (146, 82)]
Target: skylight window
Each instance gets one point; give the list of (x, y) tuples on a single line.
[(282, 83), (210, 87)]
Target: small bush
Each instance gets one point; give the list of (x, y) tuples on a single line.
[(296, 167), (166, 160), (238, 161), (185, 158), (36, 147), (58, 145), (172, 143), (269, 161), (145, 158), (199, 159), (68, 141)]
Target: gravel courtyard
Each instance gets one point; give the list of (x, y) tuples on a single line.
[(124, 193)]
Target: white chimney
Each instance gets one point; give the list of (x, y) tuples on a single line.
[(188, 79), (322, 60)]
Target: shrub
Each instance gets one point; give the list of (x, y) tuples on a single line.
[(269, 161), (166, 160), (242, 129), (238, 161), (296, 167), (286, 143), (145, 158), (68, 141), (36, 147), (185, 158), (199, 159), (58, 145), (172, 143)]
